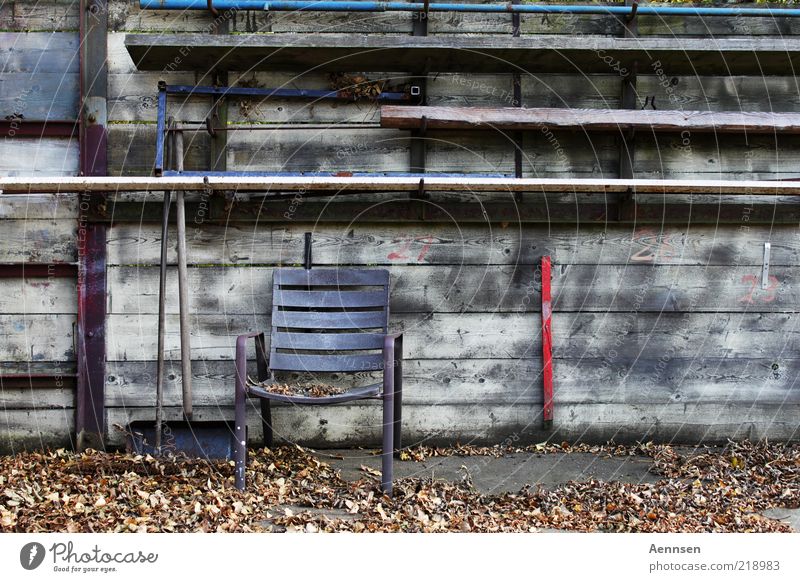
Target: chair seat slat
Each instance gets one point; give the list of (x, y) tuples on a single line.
[(330, 299), (331, 277), (329, 320), (327, 341), (333, 363), (355, 394)]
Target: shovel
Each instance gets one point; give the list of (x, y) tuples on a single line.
[(206, 439)]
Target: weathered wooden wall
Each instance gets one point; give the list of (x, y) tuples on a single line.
[(661, 327)]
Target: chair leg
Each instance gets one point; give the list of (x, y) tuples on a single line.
[(266, 422), (240, 423), (387, 458), (398, 408)]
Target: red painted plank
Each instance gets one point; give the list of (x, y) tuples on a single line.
[(547, 344), (37, 270), (48, 128)]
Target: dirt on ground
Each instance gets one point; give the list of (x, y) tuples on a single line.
[(289, 488)]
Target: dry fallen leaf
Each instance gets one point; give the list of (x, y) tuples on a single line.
[(698, 490)]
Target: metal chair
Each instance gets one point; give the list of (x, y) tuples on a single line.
[(325, 320)]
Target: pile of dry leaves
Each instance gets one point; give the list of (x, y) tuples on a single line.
[(356, 86), (309, 390), (290, 488)]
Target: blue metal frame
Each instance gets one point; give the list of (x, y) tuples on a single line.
[(223, 92), (386, 96), (350, 6), (161, 124)]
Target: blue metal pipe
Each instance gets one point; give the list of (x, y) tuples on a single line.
[(385, 96), (351, 6)]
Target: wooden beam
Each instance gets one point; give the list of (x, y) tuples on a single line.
[(536, 119), (476, 54), (328, 185), (545, 209), (90, 418)]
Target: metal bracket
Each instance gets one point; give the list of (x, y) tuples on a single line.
[(651, 101), (628, 18), (423, 126), (307, 242), (765, 267), (420, 20), (210, 125), (214, 12)]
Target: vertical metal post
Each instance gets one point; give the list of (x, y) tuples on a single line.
[(627, 152), (517, 81), (183, 283), (547, 346), (417, 151), (161, 114), (219, 108), (90, 422)]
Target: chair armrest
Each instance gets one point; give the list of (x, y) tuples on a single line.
[(393, 345), (261, 356)]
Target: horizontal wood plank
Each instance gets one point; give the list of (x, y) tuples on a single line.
[(621, 338), (449, 244), (479, 53), (37, 338), (485, 289), (38, 429), (27, 156), (39, 52), (38, 241), (38, 295), (496, 382), (541, 119), (360, 424)]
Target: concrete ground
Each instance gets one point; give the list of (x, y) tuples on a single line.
[(504, 474), (790, 516)]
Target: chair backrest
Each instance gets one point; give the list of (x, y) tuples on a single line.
[(329, 320)]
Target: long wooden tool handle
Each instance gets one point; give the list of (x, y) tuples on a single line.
[(183, 287), (162, 288), (547, 345)]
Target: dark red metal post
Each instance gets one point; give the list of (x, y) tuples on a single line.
[(547, 344), (90, 415)]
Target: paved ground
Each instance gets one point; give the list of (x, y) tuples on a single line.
[(790, 516), (508, 473), (489, 474)]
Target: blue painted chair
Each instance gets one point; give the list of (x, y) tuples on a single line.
[(325, 320)]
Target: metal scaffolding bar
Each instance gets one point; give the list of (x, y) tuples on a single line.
[(344, 6)]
